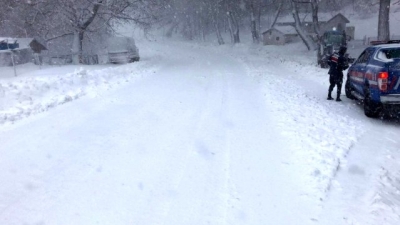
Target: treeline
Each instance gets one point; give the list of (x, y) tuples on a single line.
[(82, 21)]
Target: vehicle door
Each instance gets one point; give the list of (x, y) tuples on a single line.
[(358, 70)]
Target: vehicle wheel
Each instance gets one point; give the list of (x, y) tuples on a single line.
[(348, 89), (371, 109)]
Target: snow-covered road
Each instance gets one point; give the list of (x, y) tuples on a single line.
[(207, 136), (191, 144)]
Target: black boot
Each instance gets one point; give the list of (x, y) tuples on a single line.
[(338, 96), (329, 96)]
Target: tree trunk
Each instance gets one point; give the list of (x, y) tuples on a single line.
[(259, 21), (171, 29), (383, 23), (81, 35), (230, 28), (75, 48), (234, 28), (254, 32), (314, 6), (306, 40), (217, 30), (203, 30), (78, 35)]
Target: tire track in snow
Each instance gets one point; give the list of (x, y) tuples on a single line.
[(208, 158)]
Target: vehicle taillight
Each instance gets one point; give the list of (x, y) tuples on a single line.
[(383, 80)]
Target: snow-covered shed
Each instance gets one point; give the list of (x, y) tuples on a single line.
[(31, 43), (279, 35)]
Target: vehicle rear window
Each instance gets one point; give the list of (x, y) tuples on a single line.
[(389, 53)]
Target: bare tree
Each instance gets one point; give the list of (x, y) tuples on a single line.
[(306, 39), (254, 8), (55, 19), (278, 12), (232, 11), (315, 9), (215, 12)]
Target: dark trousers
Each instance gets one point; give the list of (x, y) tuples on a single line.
[(335, 81)]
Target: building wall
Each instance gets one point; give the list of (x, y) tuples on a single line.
[(273, 37), (338, 23), (350, 31), (291, 38), (21, 56)]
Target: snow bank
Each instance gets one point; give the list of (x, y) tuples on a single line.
[(23, 96), (321, 131)]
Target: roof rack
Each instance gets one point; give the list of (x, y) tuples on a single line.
[(385, 42)]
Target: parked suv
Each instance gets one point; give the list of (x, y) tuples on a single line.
[(122, 50), (374, 78)]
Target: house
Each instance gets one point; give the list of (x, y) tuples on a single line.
[(338, 22), (23, 50), (279, 35)]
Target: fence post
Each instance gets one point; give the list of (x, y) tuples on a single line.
[(13, 62)]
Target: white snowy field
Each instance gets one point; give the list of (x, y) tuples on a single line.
[(193, 134)]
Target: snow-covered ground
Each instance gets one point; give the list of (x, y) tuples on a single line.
[(193, 134)]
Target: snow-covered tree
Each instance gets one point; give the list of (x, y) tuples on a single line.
[(54, 19)]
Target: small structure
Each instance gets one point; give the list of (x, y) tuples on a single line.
[(279, 35), (21, 50), (339, 22), (31, 43)]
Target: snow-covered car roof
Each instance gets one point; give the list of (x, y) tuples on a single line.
[(7, 40), (388, 46), (381, 56)]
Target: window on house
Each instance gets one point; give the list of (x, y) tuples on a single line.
[(277, 38)]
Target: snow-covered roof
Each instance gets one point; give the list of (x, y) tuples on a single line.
[(389, 46), (7, 40), (284, 29), (24, 42), (307, 17)]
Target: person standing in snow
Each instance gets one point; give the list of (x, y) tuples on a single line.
[(337, 62)]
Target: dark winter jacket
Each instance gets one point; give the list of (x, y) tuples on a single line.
[(337, 62)]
